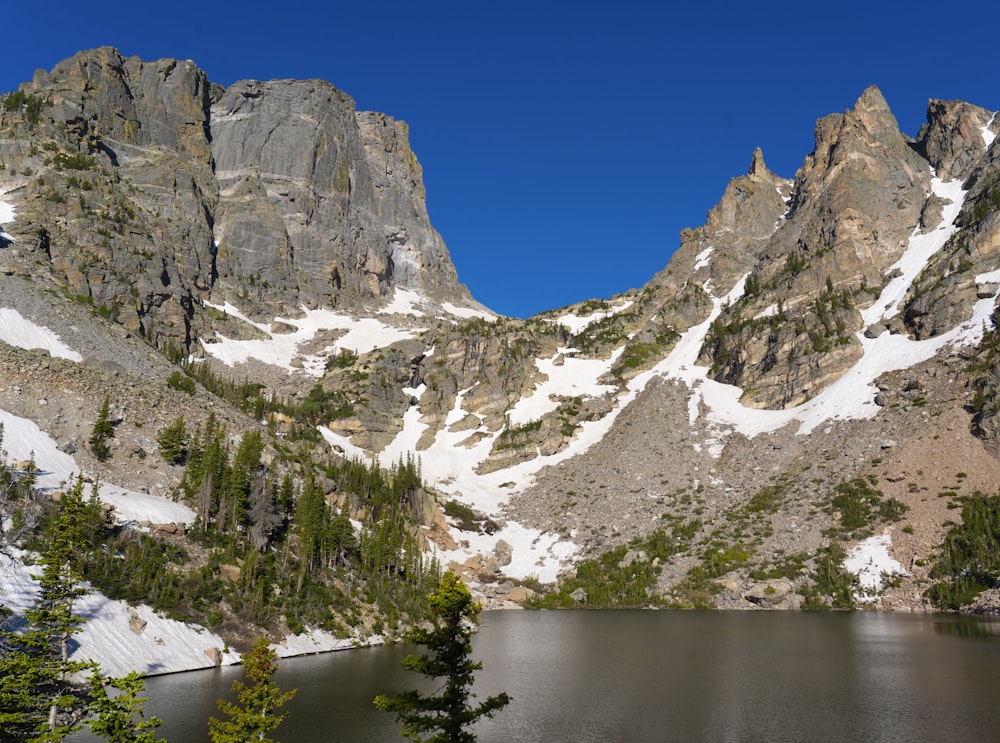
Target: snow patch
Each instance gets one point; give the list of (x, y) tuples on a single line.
[(468, 312), (6, 215), (871, 563), (7, 211), (405, 302), (988, 136), (18, 331), (576, 323), (769, 311), (701, 260), (565, 375), (361, 335), (23, 439)]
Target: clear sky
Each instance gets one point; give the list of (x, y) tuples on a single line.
[(564, 145)]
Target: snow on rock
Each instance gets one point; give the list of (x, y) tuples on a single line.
[(23, 439), (851, 396), (405, 302), (468, 312), (18, 331), (870, 562), (282, 349), (565, 376), (988, 136), (701, 260), (919, 250), (576, 323)]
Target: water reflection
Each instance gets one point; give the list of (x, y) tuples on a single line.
[(981, 628), (661, 676)]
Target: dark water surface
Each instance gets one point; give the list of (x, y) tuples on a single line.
[(659, 676)]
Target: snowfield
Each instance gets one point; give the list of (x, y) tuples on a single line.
[(282, 349), (18, 331), (871, 563)]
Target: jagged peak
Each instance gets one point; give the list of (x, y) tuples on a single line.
[(758, 169), (871, 100)]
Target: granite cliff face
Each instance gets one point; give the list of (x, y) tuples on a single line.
[(149, 190), (817, 332)]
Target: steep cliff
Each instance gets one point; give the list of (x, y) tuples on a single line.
[(148, 190)]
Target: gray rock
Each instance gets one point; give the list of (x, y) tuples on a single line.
[(769, 594)]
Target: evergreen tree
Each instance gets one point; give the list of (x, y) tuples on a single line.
[(173, 441), (35, 668), (447, 713), (120, 719), (103, 430), (255, 713)]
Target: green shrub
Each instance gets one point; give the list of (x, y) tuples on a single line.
[(970, 555), (181, 382)]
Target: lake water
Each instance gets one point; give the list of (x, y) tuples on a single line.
[(659, 676)]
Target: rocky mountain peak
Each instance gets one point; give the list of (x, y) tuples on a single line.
[(953, 138), (758, 170), (268, 195)]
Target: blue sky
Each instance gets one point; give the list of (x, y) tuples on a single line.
[(564, 145)]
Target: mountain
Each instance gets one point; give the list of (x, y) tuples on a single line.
[(798, 411)]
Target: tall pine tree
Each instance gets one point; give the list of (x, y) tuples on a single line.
[(37, 696), (448, 712)]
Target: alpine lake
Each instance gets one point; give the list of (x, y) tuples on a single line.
[(601, 676)]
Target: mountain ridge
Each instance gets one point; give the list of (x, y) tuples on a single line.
[(819, 342)]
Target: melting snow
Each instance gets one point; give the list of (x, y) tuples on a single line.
[(22, 333), (576, 323), (282, 349), (988, 136), (565, 375), (870, 562), (701, 260), (851, 396)]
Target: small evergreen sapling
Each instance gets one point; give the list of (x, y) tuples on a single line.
[(103, 430), (255, 712), (446, 714)]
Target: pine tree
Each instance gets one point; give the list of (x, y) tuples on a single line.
[(255, 712), (35, 668), (447, 713), (173, 441), (103, 430), (120, 719)]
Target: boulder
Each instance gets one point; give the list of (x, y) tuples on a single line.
[(770, 593)]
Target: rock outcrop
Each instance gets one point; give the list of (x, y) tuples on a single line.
[(148, 190)]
